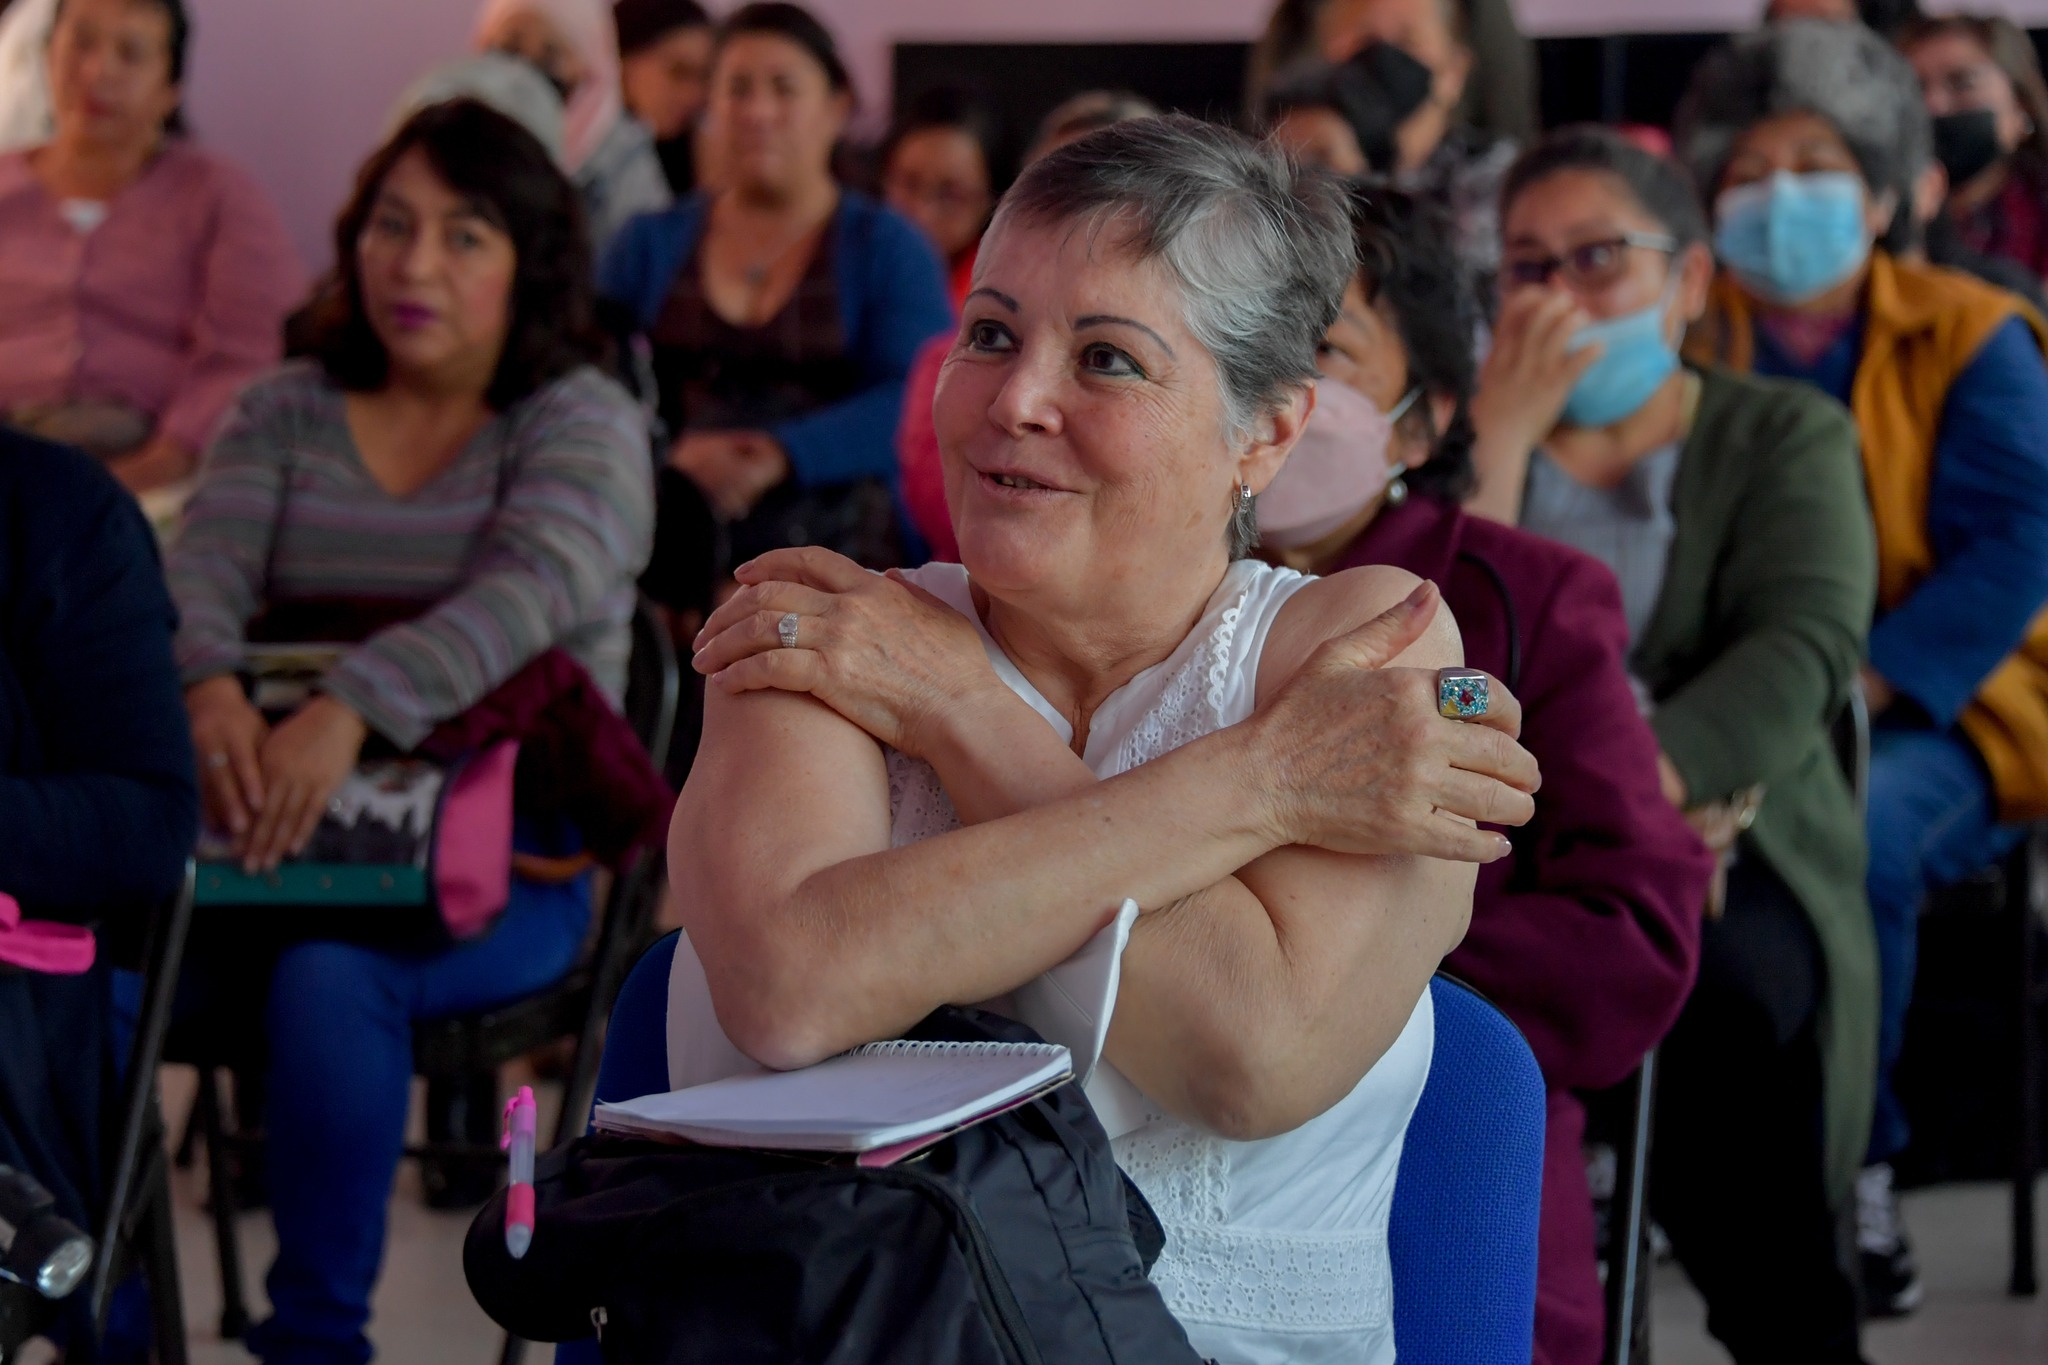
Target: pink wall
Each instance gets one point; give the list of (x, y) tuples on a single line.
[(297, 90)]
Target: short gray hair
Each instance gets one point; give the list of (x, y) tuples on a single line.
[(1842, 72), (1261, 250)]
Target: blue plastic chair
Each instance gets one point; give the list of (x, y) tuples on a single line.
[(635, 1061), (1463, 1233)]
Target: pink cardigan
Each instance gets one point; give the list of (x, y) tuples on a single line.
[(170, 305)]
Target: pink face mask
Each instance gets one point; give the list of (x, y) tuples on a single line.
[(1337, 467)]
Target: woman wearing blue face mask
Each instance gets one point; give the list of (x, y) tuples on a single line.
[(1809, 136), (1729, 509)]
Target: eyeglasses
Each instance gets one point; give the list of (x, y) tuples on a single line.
[(1590, 265)]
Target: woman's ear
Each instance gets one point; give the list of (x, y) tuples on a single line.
[(1695, 278), (1450, 82), (1413, 448), (1273, 436), (842, 113), (167, 102), (1878, 212), (1930, 192)]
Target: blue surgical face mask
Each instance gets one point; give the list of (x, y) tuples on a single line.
[(1793, 237), (1634, 360)]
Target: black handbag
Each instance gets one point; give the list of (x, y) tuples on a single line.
[(1012, 1242)]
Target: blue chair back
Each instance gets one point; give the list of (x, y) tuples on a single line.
[(635, 1059), (1463, 1232)]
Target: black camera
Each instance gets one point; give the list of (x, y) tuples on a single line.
[(38, 1246)]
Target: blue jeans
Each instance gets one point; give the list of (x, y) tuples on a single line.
[(1933, 820), (340, 1022)]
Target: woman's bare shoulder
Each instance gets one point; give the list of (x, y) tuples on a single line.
[(1325, 608)]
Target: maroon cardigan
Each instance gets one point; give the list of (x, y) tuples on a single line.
[(1588, 936)]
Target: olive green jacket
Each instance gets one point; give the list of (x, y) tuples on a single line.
[(1750, 654)]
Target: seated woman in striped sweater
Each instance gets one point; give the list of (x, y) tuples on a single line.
[(449, 448)]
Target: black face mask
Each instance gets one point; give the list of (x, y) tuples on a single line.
[(1402, 81), (1382, 86), (1966, 144)]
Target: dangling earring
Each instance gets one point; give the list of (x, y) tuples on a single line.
[(1244, 499), (1397, 488)]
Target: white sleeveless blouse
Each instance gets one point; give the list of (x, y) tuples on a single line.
[(1276, 1250)]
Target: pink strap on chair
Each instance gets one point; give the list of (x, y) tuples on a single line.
[(41, 946), (473, 845)]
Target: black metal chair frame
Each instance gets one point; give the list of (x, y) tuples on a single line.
[(2026, 896), (136, 1228), (1628, 1220), (459, 1046)]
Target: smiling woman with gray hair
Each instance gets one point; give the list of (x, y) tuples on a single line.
[(932, 787)]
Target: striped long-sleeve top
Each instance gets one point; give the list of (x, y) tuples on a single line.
[(530, 539)]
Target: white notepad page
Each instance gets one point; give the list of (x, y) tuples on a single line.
[(876, 1096)]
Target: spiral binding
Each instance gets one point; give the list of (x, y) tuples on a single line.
[(906, 1047)]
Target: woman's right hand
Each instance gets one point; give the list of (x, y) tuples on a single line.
[(1364, 764), (1527, 377), (227, 735), (876, 648)]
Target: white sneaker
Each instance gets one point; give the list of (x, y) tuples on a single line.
[(1891, 1277)]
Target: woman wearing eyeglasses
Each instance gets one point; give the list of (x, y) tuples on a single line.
[(1730, 509)]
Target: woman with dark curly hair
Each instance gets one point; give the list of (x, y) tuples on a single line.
[(1587, 935), (450, 460)]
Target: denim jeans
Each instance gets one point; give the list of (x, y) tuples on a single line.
[(340, 1022), (1933, 820)]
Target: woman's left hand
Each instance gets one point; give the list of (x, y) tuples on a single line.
[(880, 651), (304, 761)]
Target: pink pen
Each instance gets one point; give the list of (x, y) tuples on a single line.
[(520, 1123)]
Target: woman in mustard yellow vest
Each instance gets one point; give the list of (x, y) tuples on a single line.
[(1808, 137)]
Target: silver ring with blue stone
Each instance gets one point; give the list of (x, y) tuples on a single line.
[(1462, 693)]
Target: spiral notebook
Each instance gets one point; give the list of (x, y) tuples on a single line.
[(881, 1100)]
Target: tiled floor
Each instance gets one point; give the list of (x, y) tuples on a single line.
[(424, 1314), (1959, 1232)]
